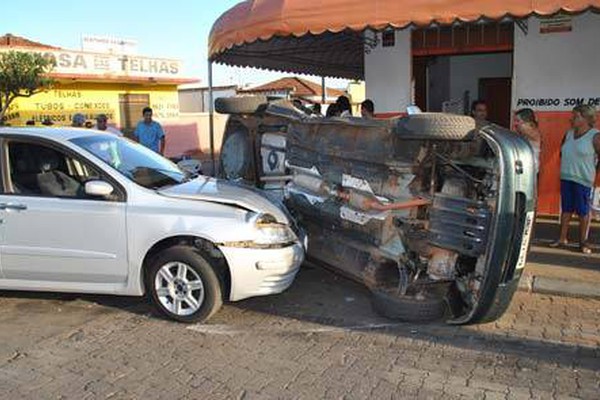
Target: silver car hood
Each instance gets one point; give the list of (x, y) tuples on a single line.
[(218, 191)]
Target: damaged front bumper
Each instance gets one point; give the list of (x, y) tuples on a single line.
[(258, 272)]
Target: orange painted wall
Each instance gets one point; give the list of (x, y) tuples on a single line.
[(553, 125)]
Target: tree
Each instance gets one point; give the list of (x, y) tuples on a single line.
[(22, 75)]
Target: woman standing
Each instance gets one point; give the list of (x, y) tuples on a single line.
[(526, 125), (578, 166)]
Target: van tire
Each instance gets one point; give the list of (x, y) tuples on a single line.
[(436, 126), (241, 105), (407, 308), (236, 155)]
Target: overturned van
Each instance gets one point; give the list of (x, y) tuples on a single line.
[(431, 212)]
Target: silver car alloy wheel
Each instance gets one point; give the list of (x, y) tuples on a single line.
[(179, 288)]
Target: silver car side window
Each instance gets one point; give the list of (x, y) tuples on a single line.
[(40, 170)]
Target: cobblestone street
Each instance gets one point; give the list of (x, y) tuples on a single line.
[(336, 167), (318, 340)]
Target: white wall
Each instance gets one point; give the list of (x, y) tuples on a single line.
[(195, 100), (557, 66), (388, 74), (465, 72)]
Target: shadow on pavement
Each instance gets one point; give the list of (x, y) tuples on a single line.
[(134, 305), (564, 258), (321, 297), (332, 304), (547, 231)]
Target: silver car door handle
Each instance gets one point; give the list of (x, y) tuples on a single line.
[(12, 206)]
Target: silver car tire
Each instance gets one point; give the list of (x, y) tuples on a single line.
[(183, 285)]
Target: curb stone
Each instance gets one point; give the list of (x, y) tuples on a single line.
[(559, 287)]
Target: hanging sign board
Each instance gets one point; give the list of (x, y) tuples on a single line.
[(556, 24)]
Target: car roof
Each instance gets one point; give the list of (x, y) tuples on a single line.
[(59, 134)]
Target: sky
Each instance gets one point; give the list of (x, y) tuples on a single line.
[(170, 29)]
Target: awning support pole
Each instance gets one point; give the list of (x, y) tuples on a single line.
[(211, 122), (323, 90)]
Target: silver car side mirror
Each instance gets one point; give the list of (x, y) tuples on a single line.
[(98, 188), (191, 166)]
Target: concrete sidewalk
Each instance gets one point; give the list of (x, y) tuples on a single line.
[(563, 271)]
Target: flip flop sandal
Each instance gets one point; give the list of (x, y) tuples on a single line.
[(558, 244), (585, 250)]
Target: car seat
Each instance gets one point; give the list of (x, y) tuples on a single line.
[(52, 181), (24, 170)]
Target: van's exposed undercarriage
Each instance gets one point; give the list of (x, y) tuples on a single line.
[(409, 207)]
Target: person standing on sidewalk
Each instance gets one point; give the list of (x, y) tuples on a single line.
[(102, 125), (78, 120), (344, 106), (526, 125), (149, 133), (479, 111), (367, 109), (578, 167)]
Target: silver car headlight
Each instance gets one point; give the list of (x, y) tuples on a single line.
[(271, 232)]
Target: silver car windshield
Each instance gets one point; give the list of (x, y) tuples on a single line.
[(134, 161)]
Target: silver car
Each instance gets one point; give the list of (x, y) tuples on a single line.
[(88, 212)]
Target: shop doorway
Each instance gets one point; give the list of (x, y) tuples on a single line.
[(456, 65), (130, 108), (452, 83), (496, 92)]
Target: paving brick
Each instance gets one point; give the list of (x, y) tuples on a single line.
[(306, 343)]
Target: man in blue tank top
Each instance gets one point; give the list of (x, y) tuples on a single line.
[(578, 167)]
